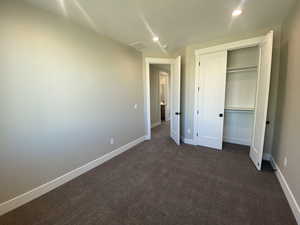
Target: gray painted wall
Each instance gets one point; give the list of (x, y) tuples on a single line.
[(64, 91), (287, 133)]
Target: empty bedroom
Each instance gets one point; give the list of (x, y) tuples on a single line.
[(135, 112)]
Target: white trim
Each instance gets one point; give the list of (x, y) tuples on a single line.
[(196, 100), (237, 141), (288, 192), (148, 61), (231, 46), (156, 124), (44, 188), (188, 141), (228, 46)]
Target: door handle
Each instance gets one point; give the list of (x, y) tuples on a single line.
[(221, 115), (177, 113)]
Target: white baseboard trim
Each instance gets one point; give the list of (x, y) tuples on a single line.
[(237, 141), (187, 141), (288, 192), (156, 124), (44, 188)]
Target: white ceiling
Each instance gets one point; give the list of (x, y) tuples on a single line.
[(176, 22)]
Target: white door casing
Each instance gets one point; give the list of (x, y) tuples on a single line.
[(175, 100), (210, 111), (263, 86)]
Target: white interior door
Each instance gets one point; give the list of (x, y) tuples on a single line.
[(263, 84), (212, 77), (175, 101)]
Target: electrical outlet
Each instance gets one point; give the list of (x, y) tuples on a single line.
[(112, 141), (285, 162), (135, 106)]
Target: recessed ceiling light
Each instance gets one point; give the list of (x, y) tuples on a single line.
[(155, 39), (237, 12)]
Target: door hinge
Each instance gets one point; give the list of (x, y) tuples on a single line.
[(198, 89), (198, 112), (197, 134), (199, 63)]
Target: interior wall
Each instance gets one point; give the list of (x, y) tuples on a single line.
[(286, 139), (65, 91)]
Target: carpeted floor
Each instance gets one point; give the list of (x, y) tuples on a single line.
[(159, 183)]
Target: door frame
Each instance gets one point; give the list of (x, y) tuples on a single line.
[(148, 61), (252, 42)]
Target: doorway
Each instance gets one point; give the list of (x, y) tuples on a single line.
[(240, 72), (162, 95), (159, 94)]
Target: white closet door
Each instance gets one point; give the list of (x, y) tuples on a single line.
[(256, 152), (175, 101), (212, 78)]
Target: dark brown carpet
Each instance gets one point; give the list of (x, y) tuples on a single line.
[(159, 183)]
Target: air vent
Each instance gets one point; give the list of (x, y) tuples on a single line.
[(138, 45)]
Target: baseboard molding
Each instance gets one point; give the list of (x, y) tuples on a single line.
[(156, 124), (44, 188), (187, 141), (288, 192), (237, 141)]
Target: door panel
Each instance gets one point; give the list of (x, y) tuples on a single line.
[(263, 84), (212, 78), (175, 101)]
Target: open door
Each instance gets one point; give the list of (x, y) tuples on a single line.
[(212, 77), (175, 101), (263, 85)]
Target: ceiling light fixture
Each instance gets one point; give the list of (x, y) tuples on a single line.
[(155, 39), (237, 12)]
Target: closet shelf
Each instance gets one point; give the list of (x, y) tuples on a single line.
[(246, 109), (241, 69)]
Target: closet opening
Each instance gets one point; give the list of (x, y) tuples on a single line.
[(232, 94), (240, 96)]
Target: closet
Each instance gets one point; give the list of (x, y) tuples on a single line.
[(231, 97), (240, 95)]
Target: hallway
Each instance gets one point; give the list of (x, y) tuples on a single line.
[(160, 183)]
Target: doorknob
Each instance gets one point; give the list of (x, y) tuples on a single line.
[(221, 115), (177, 113)]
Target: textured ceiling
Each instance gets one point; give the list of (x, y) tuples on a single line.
[(176, 22)]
